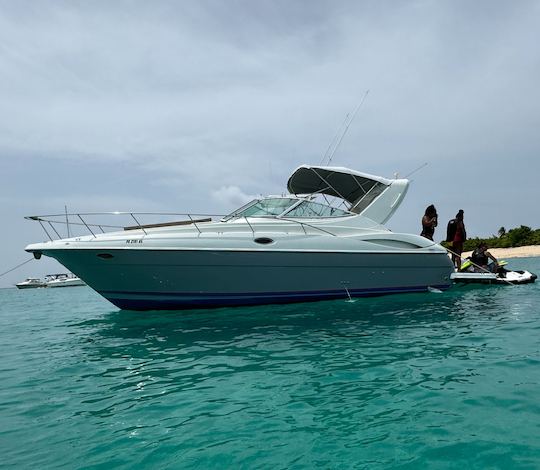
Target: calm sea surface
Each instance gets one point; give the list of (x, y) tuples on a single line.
[(447, 380)]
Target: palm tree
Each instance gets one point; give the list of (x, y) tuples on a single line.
[(502, 232)]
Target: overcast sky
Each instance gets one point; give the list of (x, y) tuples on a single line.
[(193, 106)]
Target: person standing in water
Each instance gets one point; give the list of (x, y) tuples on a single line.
[(456, 234), (429, 222)]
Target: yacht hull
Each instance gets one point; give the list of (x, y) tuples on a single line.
[(147, 279), (65, 283), (30, 286)]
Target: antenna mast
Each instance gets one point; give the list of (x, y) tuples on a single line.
[(419, 168), (67, 221), (336, 141)]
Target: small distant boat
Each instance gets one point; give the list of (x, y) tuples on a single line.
[(51, 280), (63, 280), (31, 283)]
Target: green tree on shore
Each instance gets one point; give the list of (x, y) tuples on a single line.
[(519, 236)]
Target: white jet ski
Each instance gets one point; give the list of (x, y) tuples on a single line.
[(471, 275)]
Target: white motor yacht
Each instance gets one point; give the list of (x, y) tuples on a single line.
[(31, 283), (63, 280), (274, 249)]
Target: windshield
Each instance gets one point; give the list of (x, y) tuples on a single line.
[(264, 207), (287, 207), (315, 209)]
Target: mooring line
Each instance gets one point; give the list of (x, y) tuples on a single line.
[(18, 266)]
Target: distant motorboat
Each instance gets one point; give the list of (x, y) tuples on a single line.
[(31, 283), (63, 280), (51, 280)]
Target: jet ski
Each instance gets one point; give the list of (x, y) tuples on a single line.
[(473, 274)]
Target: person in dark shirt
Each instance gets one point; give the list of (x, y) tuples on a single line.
[(480, 256), (429, 222), (456, 234)]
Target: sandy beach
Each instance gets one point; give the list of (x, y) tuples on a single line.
[(518, 252)]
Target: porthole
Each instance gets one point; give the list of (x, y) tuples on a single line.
[(105, 255), (263, 240)]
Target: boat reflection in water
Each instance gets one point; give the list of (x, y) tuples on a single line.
[(326, 239)]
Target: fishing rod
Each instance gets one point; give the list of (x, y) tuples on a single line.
[(340, 134), (417, 169)]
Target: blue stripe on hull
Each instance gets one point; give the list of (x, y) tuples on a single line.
[(178, 301)]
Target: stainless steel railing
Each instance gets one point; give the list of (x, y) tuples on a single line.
[(51, 223), (82, 220)]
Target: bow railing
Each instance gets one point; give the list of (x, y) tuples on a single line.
[(58, 226), (85, 223)]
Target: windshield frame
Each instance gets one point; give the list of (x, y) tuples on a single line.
[(344, 212), (238, 213)]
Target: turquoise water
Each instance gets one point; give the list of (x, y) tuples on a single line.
[(447, 380)]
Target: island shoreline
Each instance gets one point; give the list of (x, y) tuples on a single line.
[(530, 251)]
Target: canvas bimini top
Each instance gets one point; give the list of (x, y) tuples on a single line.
[(372, 196)]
